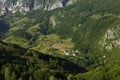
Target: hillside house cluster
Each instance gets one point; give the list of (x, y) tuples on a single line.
[(70, 52)]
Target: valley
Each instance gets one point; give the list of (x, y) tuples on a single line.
[(79, 40)]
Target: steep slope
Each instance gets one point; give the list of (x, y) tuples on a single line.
[(23, 64), (89, 29), (90, 26), (28, 5), (3, 28), (108, 72)]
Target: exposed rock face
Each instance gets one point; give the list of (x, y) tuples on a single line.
[(28, 5), (111, 38)]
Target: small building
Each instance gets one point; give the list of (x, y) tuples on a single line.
[(76, 51), (70, 52), (67, 52), (74, 54)]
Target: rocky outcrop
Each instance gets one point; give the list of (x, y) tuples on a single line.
[(111, 39), (28, 5)]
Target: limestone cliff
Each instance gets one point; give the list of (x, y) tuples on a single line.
[(28, 5)]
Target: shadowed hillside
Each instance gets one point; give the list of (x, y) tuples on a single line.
[(3, 28), (86, 33), (26, 63)]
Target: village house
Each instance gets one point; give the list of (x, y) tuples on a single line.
[(67, 52), (70, 52)]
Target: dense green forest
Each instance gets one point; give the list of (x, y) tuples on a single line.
[(33, 44), (17, 63)]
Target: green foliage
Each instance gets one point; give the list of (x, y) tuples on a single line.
[(49, 75), (19, 63), (3, 28), (107, 72), (92, 25)]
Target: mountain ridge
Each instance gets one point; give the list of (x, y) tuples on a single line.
[(86, 33), (24, 6)]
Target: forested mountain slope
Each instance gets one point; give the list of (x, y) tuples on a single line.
[(89, 28), (86, 25), (3, 28), (19, 63)]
